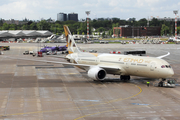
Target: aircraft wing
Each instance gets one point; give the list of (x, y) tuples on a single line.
[(46, 61), (107, 68), (57, 56), (163, 55)]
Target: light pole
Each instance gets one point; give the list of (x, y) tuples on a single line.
[(175, 12), (132, 29), (87, 12)]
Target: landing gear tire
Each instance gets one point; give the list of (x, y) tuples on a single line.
[(125, 77), (161, 83)]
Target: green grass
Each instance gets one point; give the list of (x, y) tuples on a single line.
[(171, 43), (120, 39), (163, 39)]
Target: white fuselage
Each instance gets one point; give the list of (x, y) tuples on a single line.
[(128, 65)]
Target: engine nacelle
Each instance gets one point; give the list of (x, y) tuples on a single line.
[(97, 73)]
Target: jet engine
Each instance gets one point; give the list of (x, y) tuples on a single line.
[(97, 73)]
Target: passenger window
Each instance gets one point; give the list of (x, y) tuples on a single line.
[(165, 66)]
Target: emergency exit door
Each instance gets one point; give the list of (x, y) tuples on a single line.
[(152, 66)]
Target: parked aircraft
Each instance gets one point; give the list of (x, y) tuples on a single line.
[(57, 48), (99, 65)]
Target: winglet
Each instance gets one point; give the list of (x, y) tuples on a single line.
[(163, 55)]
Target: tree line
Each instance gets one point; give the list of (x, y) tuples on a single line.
[(100, 25)]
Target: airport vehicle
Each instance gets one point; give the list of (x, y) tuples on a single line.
[(34, 54), (5, 47), (103, 42), (1, 53), (174, 39), (28, 52), (51, 53), (87, 40), (167, 83), (65, 52), (31, 52), (93, 51), (57, 48), (39, 54), (1, 48), (123, 42), (25, 52), (48, 52), (115, 52)]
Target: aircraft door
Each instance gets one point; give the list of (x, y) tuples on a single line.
[(97, 60), (127, 64), (152, 66)]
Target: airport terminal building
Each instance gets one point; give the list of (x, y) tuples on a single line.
[(128, 31)]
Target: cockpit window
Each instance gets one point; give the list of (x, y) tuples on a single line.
[(165, 66)]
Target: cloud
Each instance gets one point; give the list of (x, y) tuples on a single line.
[(89, 5), (31, 9), (14, 9), (113, 3), (36, 9)]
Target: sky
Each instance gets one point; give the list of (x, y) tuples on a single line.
[(123, 9)]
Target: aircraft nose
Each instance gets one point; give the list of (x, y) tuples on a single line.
[(170, 72)]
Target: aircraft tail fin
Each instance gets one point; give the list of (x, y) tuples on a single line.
[(71, 44)]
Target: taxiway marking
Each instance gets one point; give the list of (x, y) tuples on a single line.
[(76, 108)]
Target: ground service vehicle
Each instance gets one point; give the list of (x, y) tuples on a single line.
[(93, 51), (104, 42), (31, 52), (26, 53), (5, 47), (1, 53), (167, 83)]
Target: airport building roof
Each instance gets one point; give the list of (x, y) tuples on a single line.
[(24, 33)]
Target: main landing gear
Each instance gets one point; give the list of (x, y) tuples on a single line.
[(124, 77)]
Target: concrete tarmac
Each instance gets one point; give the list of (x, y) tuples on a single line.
[(46, 91)]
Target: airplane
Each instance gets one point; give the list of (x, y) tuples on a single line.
[(98, 65), (57, 48)]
